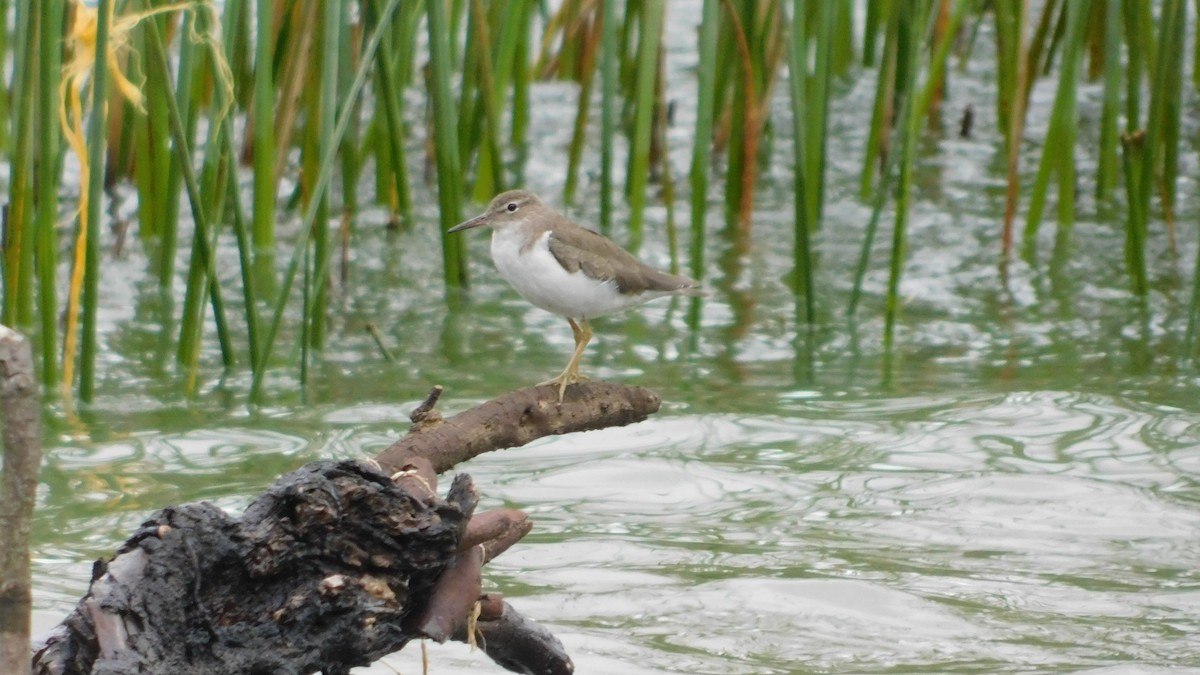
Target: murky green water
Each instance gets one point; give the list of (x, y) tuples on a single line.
[(1020, 494)]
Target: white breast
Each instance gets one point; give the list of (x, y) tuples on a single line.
[(536, 274)]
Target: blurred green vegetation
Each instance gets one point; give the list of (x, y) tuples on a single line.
[(195, 100)]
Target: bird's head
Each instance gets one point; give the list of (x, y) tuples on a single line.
[(507, 208)]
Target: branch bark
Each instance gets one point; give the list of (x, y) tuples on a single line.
[(18, 490), (517, 418)]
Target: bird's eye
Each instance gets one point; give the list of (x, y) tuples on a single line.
[(512, 206)]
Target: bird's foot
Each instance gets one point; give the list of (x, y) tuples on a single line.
[(563, 380)]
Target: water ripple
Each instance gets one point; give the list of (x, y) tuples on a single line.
[(928, 533)]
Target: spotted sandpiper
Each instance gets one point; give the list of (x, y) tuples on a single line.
[(567, 269)]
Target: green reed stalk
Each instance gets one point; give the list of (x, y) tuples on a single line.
[(157, 57), (121, 142), (245, 257), (1015, 71), (882, 129), (18, 253), (297, 53), (870, 30), (306, 283), (551, 63), (1136, 57), (407, 31), (1037, 53), (610, 64), (1145, 30), (842, 52), (240, 227), (698, 176), (185, 87), (91, 219), (937, 63), (1145, 153), (445, 125), (1048, 37), (909, 49), (408, 18), (189, 87), (1196, 55), (191, 322), (312, 145), (1106, 171), (583, 107), (668, 176), (324, 174), (334, 24), (4, 102), (571, 53), (903, 103), (1058, 151), (514, 31), (224, 100), (1133, 154), (723, 75), (49, 176), (470, 111), (150, 150), (489, 176), (158, 88), (377, 143), (802, 273), (390, 81), (880, 200), (1189, 342), (385, 132), (521, 75), (817, 114), (649, 39), (741, 95), (235, 38), (457, 11), (264, 128), (510, 30), (770, 39), (351, 161), (1010, 43), (967, 43), (1162, 130), (901, 35)]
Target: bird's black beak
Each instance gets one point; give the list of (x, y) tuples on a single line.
[(478, 221)]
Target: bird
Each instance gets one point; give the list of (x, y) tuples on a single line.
[(567, 269)]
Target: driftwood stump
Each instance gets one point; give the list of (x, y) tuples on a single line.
[(18, 492), (337, 564)]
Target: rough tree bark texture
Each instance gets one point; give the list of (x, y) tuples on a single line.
[(18, 489), (516, 419), (337, 564)]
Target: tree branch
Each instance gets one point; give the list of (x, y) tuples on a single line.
[(517, 418)]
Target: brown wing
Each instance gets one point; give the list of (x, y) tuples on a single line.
[(579, 249)]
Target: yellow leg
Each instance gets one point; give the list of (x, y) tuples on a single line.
[(583, 335)]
